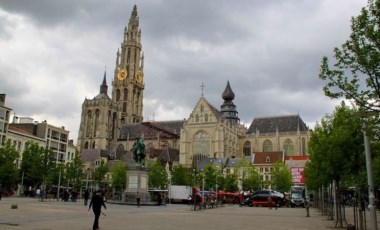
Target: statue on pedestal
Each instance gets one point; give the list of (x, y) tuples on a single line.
[(139, 151)]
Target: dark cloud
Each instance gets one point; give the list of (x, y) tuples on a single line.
[(270, 51)]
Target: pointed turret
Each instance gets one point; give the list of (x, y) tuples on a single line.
[(228, 109), (104, 86)]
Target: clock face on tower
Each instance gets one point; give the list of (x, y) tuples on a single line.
[(139, 77), (122, 74)]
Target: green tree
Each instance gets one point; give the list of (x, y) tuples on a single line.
[(336, 149), (181, 176), (99, 174), (8, 169), (250, 178), (119, 176), (231, 183), (74, 172), (210, 176), (356, 73), (37, 165), (281, 177), (158, 177)]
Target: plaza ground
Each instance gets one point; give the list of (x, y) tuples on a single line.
[(57, 215)]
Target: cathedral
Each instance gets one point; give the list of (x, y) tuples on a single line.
[(110, 124)]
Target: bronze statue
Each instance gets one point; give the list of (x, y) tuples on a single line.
[(139, 151)]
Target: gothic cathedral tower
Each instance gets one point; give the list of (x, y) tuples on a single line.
[(128, 83), (102, 116)]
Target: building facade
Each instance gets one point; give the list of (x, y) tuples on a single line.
[(4, 119)]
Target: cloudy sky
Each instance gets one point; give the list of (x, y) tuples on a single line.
[(53, 54)]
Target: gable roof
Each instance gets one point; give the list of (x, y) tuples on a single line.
[(213, 110), (286, 123)]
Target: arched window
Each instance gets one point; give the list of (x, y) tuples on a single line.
[(96, 122), (197, 118), (125, 95), (267, 146), (86, 145), (89, 123), (206, 117), (247, 148), (202, 108), (93, 144), (201, 144), (117, 95), (288, 147)]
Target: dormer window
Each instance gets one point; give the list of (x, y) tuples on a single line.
[(268, 160)]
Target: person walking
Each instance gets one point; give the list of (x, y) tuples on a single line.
[(96, 203), (138, 198), (86, 195), (270, 202)]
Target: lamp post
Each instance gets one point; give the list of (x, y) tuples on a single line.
[(371, 194)]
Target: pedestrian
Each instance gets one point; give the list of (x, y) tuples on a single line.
[(86, 195), (96, 203), (275, 202), (270, 202), (138, 197), (38, 193)]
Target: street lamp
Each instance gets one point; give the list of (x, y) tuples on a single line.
[(371, 194)]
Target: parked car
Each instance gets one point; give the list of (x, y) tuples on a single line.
[(260, 198)]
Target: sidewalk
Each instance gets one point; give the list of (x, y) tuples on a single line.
[(57, 215)]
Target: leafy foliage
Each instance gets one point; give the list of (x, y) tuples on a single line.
[(158, 177), (8, 169), (74, 172), (99, 174), (281, 177), (356, 72), (181, 176), (119, 176)]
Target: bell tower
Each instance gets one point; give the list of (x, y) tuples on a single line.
[(128, 82)]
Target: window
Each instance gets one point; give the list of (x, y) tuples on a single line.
[(303, 146), (197, 118), (268, 160), (247, 148), (288, 147), (267, 146), (201, 144), (206, 118)]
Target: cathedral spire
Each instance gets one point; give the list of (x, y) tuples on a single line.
[(103, 86)]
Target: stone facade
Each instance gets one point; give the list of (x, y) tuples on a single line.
[(102, 116)]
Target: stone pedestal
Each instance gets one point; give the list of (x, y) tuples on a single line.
[(137, 180)]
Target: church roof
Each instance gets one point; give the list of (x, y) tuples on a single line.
[(286, 123), (150, 130), (101, 96), (267, 157), (93, 154)]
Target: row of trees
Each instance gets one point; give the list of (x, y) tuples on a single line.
[(218, 177), (39, 170), (336, 148)]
